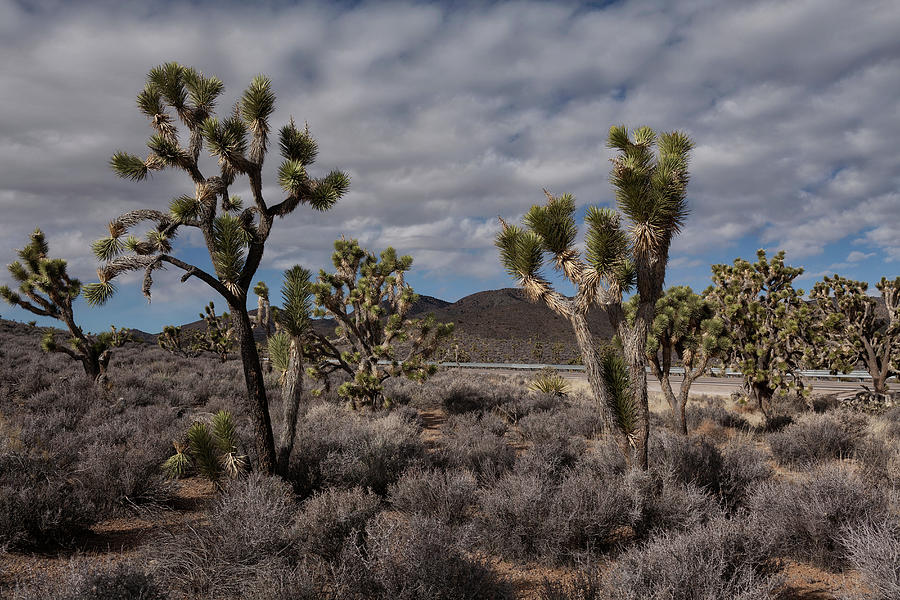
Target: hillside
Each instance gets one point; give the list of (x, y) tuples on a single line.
[(491, 326)]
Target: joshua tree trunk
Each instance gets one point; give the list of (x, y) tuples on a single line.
[(878, 366), (257, 404), (592, 366), (763, 394), (662, 374), (291, 393), (636, 359)]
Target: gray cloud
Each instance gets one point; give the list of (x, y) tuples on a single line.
[(446, 118)]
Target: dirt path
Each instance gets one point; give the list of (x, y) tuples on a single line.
[(432, 421)]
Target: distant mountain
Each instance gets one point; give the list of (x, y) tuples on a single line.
[(494, 325)]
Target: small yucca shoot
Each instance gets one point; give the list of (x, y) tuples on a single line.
[(550, 383), (621, 402), (204, 450), (179, 463), (226, 439)]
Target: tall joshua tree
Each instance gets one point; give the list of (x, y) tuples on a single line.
[(685, 327), (651, 193), (287, 349), (859, 333), (49, 292), (235, 236)]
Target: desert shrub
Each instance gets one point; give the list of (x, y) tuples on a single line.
[(695, 414), (552, 456), (336, 447), (476, 444), (512, 515), (85, 582), (775, 422), (443, 495), (329, 518), (873, 549), (719, 560), (604, 459), (804, 520), (402, 391), (821, 403), (743, 468), (282, 582), (409, 414), (818, 438), (39, 506), (892, 418), (413, 559), (728, 475), (249, 531), (538, 514), (879, 459), (522, 406), (581, 416), (656, 502), (73, 456), (459, 393)]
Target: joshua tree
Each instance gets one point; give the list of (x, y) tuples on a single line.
[(858, 332), (685, 327), (286, 351), (235, 236), (49, 292), (263, 318), (219, 332), (369, 300), (650, 193), (772, 328), (171, 341)]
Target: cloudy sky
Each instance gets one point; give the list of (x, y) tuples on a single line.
[(447, 115)]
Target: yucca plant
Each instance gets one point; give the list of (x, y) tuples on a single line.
[(550, 382), (235, 235), (620, 401), (47, 290), (651, 189), (172, 341), (211, 450)]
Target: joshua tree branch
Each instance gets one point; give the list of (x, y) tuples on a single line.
[(191, 270)]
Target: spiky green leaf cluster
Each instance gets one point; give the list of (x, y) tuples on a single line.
[(551, 383), (279, 350), (619, 397), (230, 241), (685, 326), (297, 296), (212, 450)]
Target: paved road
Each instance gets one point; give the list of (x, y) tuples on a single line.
[(708, 386)]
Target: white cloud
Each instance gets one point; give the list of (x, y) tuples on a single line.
[(447, 117)]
